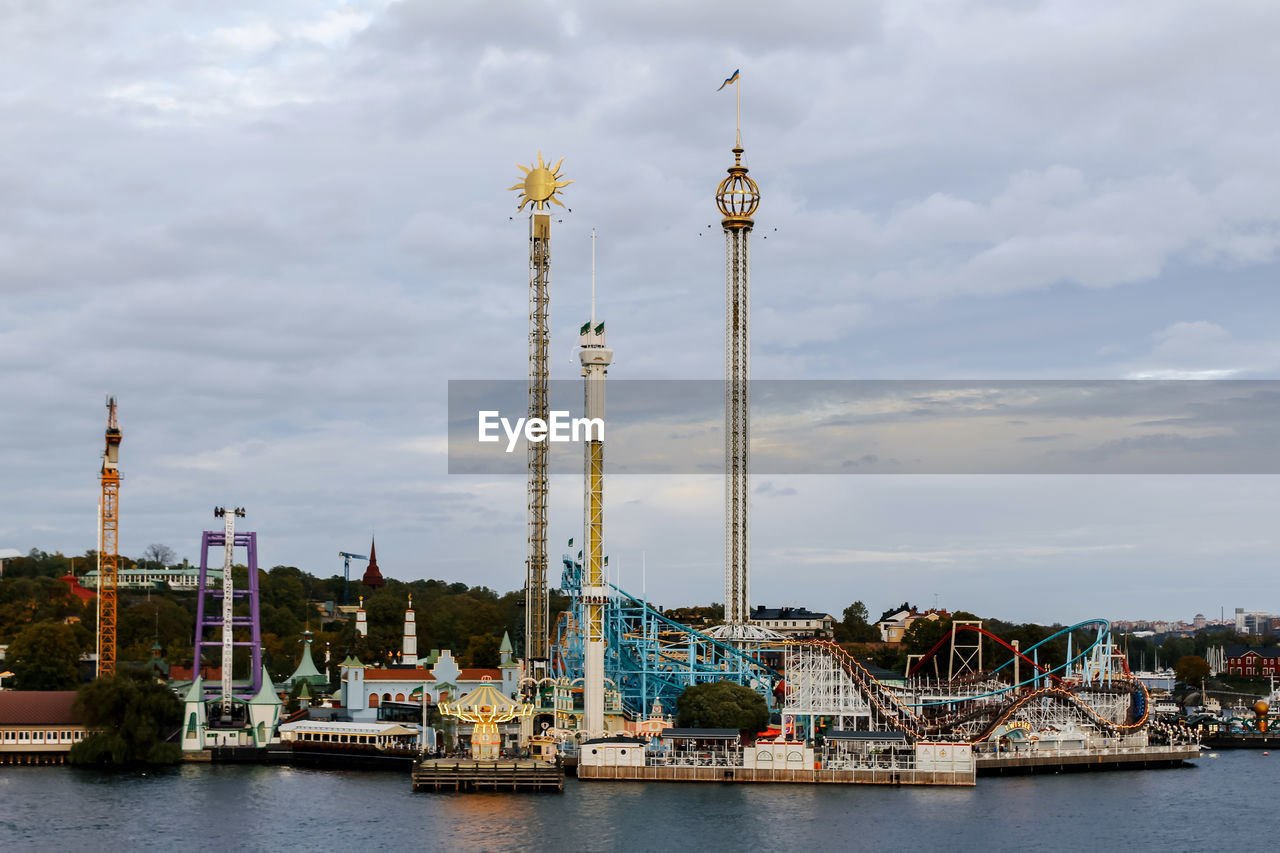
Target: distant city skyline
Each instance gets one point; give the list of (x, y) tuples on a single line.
[(275, 230)]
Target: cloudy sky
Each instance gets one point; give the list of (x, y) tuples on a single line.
[(276, 230)]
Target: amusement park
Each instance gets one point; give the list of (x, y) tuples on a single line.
[(596, 687)]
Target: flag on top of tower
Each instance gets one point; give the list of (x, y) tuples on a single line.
[(586, 327), (600, 328), (732, 78), (571, 543)]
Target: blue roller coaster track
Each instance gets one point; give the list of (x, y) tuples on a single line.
[(649, 657)]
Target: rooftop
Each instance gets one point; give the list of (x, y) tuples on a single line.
[(37, 708)]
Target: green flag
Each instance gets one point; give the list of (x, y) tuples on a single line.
[(571, 543), (586, 327), (606, 559)]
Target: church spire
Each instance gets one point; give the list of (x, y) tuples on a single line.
[(373, 577)]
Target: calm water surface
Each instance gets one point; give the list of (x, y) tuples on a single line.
[(1222, 803)]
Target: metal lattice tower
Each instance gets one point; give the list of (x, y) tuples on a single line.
[(216, 620), (537, 603), (538, 189), (738, 196), (108, 545)]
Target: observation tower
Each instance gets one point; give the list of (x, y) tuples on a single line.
[(538, 190)]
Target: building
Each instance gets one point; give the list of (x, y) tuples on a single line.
[(1242, 660), (327, 733), (365, 689), (254, 722), (1254, 622), (794, 621), (38, 726), (306, 671), (177, 578), (894, 624), (7, 554)]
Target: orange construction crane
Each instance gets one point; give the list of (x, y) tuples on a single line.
[(108, 547)]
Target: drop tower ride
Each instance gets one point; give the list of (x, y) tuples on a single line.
[(737, 197), (538, 190)]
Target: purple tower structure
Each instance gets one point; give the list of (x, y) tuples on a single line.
[(214, 617)]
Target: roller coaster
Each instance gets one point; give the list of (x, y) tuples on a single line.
[(816, 686), (648, 657)]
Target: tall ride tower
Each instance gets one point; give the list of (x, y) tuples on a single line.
[(538, 190), (596, 358), (108, 545), (738, 196)]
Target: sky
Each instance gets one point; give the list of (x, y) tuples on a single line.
[(276, 230)]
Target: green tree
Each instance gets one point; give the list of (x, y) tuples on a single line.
[(1191, 669), (855, 628), (924, 634), (131, 716), (46, 656), (482, 650), (722, 705)]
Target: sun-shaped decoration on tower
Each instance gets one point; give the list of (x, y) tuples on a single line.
[(540, 184)]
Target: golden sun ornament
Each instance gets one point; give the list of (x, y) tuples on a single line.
[(540, 184)]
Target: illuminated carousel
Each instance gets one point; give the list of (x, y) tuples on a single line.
[(486, 709)]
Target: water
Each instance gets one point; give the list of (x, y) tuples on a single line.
[(1222, 803)]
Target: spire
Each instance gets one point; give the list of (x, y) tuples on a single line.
[(306, 669), (506, 651), (267, 693), (373, 577)]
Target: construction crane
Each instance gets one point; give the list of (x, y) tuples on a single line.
[(346, 573), (108, 546)]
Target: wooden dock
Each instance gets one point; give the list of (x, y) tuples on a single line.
[(457, 774)]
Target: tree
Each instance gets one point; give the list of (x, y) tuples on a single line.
[(855, 628), (482, 650), (46, 656), (924, 634), (130, 715), (722, 705), (162, 554), (1191, 669)]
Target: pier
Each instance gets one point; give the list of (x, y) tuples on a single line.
[(1076, 760), (868, 776), (451, 774)]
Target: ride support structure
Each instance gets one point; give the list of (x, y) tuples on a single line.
[(596, 358), (108, 545), (216, 621), (538, 189)]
